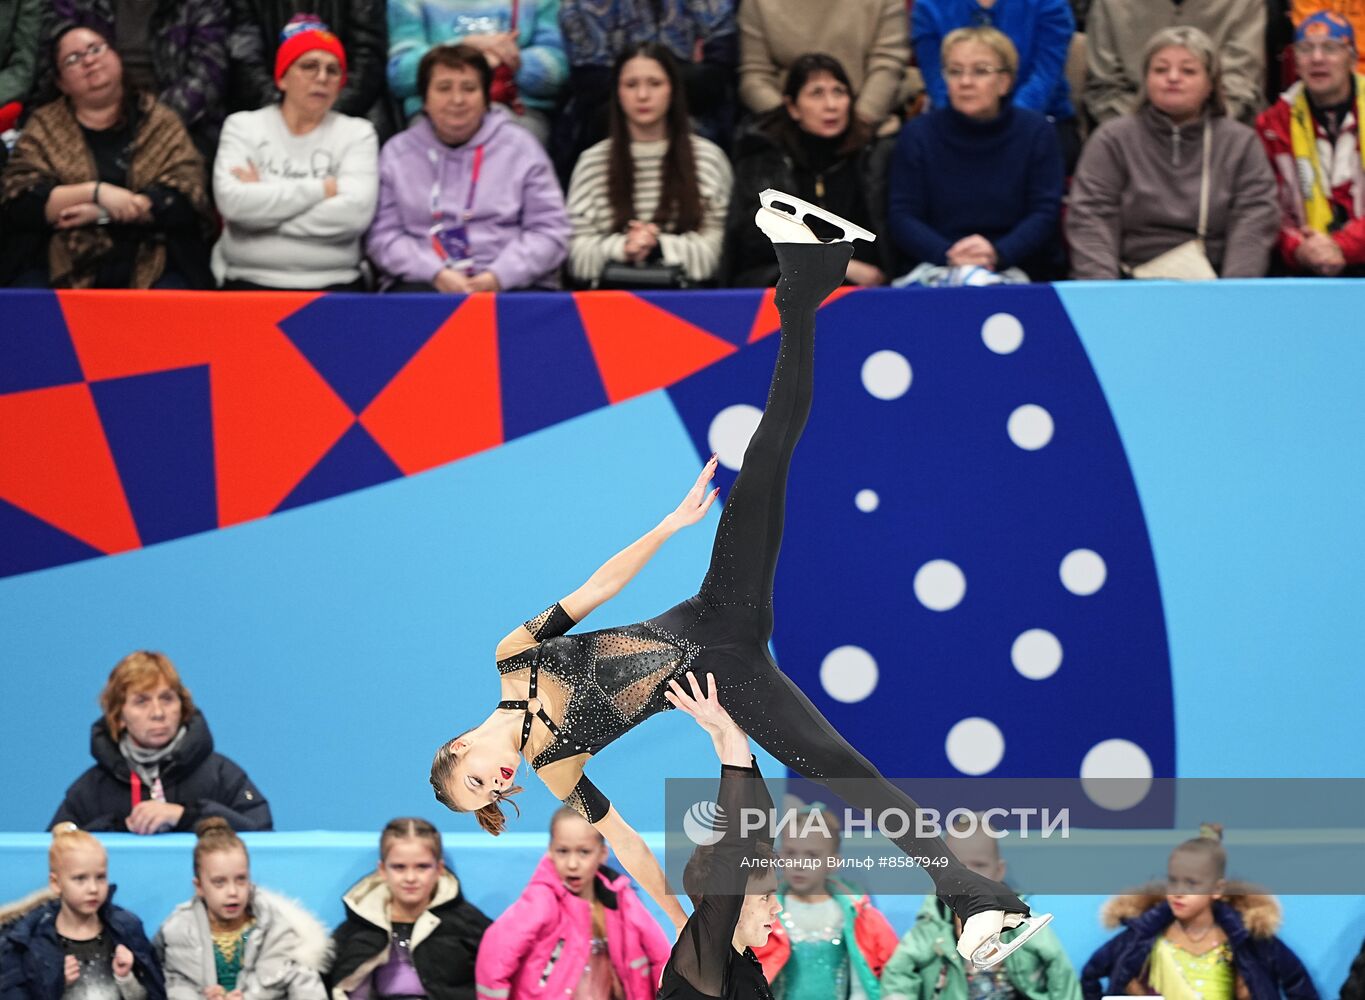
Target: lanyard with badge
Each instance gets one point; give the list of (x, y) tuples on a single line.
[(450, 237)]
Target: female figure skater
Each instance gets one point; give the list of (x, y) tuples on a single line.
[(566, 697)]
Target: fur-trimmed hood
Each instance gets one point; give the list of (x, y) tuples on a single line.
[(1258, 910), (14, 910)]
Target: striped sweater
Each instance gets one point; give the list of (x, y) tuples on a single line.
[(594, 242)]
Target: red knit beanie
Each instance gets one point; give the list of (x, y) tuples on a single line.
[(304, 33)]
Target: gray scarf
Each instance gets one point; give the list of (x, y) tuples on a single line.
[(147, 763)]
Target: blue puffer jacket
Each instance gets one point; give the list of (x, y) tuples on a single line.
[(1265, 964), (31, 956)]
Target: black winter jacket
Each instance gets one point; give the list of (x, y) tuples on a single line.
[(255, 36), (204, 782), (762, 162), (445, 940), (32, 959)]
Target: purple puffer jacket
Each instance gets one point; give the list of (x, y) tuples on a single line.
[(518, 226), (539, 947)]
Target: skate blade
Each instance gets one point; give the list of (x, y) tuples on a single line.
[(993, 951), (795, 210)]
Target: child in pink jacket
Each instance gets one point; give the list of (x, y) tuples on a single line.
[(577, 931)]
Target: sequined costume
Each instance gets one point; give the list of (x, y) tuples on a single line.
[(615, 678)]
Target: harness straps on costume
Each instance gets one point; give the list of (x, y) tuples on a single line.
[(525, 705)]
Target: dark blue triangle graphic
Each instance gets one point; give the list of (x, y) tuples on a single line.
[(28, 543), (729, 314), (160, 431), (358, 343), (547, 369), (355, 462), (35, 349)]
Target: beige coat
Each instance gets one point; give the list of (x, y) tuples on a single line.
[(870, 38), (1117, 31)]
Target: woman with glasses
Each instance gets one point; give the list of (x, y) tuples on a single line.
[(1041, 31), (105, 188), (978, 183), (296, 182)]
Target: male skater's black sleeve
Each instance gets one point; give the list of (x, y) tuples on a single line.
[(703, 952)]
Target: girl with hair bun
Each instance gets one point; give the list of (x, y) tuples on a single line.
[(78, 945), (1198, 937), (235, 940), (409, 933)]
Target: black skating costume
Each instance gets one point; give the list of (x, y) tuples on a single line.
[(616, 678)]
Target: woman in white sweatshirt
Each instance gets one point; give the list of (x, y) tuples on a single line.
[(296, 182)]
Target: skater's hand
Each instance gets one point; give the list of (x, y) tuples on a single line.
[(704, 707), (698, 500), (123, 962), (732, 746), (71, 969), (214, 992)]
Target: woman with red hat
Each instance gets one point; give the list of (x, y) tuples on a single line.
[(296, 182)]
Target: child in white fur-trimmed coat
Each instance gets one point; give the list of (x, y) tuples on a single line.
[(235, 940)]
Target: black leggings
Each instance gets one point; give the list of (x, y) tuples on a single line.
[(731, 617)]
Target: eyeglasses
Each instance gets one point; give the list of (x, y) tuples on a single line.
[(316, 67), (1306, 50), (90, 51), (954, 73)]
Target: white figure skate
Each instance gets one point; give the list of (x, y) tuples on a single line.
[(782, 218), (980, 941)]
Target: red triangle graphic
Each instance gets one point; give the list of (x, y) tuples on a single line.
[(767, 322), (55, 463), (274, 416), (640, 347), (446, 402)]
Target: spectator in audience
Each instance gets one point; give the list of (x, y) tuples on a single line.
[(1136, 194), (1041, 31), (700, 35), (978, 183), (1116, 37), (257, 27), (1351, 10), (654, 192), (468, 202), (155, 769), (578, 929), (1314, 137), (814, 147), (105, 188), (20, 24), (519, 38), (176, 49), (409, 932), (296, 182), (829, 941), (869, 38), (926, 965), (78, 945), (236, 937), (1196, 926)]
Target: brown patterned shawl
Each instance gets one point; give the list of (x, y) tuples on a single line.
[(52, 150)]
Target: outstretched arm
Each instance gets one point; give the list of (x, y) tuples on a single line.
[(640, 863), (621, 568)]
